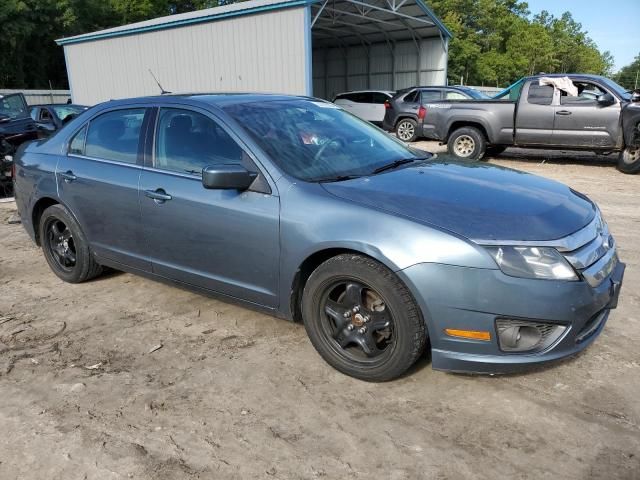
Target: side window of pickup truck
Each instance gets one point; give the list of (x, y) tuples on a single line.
[(540, 94)]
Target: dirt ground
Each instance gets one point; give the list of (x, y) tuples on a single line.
[(234, 394)]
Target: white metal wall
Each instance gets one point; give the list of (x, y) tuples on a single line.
[(263, 52), (338, 70)]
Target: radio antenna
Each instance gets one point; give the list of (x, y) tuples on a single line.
[(162, 90)]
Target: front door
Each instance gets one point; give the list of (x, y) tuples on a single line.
[(98, 180), (582, 122), (222, 240)]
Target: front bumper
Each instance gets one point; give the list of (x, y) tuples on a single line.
[(472, 299)]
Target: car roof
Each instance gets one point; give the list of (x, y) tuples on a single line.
[(577, 76), (366, 91), (216, 99)]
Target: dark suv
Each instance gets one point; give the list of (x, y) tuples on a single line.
[(405, 112)]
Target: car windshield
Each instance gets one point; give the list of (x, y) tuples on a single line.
[(318, 141), (13, 106), (63, 111)]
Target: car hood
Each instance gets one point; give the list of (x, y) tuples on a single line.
[(477, 201)]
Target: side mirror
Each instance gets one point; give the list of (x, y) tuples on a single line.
[(635, 95), (606, 99), (227, 177)]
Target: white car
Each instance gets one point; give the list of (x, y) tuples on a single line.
[(366, 104)]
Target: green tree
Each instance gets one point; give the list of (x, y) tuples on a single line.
[(629, 75)]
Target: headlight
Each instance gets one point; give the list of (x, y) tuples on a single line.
[(532, 262)]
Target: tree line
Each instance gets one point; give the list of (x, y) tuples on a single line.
[(495, 41)]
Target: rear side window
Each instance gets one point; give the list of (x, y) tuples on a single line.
[(115, 135), (188, 141), (412, 97), (378, 98), (540, 94), (76, 147)]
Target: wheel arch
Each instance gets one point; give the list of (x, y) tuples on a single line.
[(312, 262), (36, 214), (467, 123)]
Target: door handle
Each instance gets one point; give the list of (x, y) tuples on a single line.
[(158, 195), (563, 112), (68, 176)]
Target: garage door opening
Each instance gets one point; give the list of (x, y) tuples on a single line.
[(375, 45)]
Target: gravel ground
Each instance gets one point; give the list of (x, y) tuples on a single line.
[(236, 394)]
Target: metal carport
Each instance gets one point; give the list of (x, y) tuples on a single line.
[(310, 47)]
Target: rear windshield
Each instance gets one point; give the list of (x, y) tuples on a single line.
[(13, 106), (317, 141)]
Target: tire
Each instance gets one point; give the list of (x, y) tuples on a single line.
[(394, 333), (407, 130), (629, 160), (65, 247), (467, 143), (494, 150)]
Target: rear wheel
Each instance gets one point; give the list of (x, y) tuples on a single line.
[(362, 319), (629, 160), (65, 247), (467, 143), (407, 130)]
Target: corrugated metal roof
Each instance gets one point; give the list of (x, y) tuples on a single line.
[(189, 18)]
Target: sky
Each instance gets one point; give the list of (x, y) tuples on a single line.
[(613, 24)]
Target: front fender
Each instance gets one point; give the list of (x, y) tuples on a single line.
[(312, 220)]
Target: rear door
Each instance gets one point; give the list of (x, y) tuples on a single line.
[(535, 114), (221, 240), (98, 179), (582, 122)]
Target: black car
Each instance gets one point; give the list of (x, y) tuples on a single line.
[(405, 111), (16, 127), (50, 118)]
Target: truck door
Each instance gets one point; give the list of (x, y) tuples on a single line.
[(583, 121), (535, 115)]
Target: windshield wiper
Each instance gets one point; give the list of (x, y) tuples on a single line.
[(339, 178), (396, 164)]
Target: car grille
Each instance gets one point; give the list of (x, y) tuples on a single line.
[(596, 259)]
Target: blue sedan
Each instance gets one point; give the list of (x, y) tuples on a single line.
[(291, 205)]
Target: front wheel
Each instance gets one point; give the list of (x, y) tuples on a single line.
[(65, 247), (467, 143), (362, 319), (629, 160)]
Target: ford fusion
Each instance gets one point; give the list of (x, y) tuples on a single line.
[(291, 205)]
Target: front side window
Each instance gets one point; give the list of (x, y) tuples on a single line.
[(188, 141), (588, 94), (115, 135), (318, 141), (455, 96)]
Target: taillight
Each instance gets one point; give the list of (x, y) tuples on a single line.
[(422, 112), (387, 104)]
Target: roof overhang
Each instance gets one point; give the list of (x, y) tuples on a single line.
[(338, 23)]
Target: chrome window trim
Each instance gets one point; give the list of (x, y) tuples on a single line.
[(104, 160), (566, 244)]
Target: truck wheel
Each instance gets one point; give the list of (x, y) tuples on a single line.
[(65, 247), (407, 130), (494, 150), (362, 319), (467, 143), (629, 160)]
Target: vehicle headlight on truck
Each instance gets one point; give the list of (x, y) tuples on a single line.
[(532, 262)]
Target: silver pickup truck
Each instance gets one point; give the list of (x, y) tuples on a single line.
[(603, 117)]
